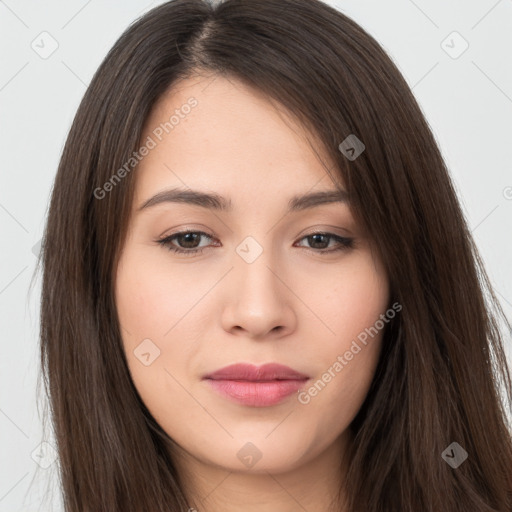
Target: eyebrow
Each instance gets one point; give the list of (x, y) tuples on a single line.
[(217, 202)]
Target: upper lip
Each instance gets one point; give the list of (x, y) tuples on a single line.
[(249, 372)]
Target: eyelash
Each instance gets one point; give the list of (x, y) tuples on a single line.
[(345, 243)]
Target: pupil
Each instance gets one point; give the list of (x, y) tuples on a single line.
[(315, 239), (188, 237)]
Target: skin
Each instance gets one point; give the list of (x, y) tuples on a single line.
[(292, 305)]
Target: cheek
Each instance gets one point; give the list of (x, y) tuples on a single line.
[(150, 314), (147, 312), (139, 298), (154, 317), (348, 354), (151, 301), (352, 301)]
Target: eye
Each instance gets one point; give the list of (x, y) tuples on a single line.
[(187, 241), (186, 238), (323, 239)]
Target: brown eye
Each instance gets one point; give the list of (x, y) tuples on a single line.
[(320, 241), (187, 242)]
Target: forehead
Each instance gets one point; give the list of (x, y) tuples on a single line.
[(215, 133)]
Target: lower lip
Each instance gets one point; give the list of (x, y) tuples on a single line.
[(257, 394)]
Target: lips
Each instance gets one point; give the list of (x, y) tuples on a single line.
[(254, 386), (251, 373)]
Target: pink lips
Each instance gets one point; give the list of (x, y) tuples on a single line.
[(256, 386)]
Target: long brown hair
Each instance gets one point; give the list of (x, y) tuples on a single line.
[(442, 367)]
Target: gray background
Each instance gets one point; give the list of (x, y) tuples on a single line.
[(466, 98)]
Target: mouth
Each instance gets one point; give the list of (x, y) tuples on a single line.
[(254, 386)]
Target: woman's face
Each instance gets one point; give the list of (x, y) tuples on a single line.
[(261, 290)]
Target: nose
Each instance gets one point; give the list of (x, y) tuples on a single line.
[(258, 300)]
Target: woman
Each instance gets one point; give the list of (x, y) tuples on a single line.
[(330, 346)]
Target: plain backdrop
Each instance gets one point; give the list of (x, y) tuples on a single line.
[(465, 94)]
